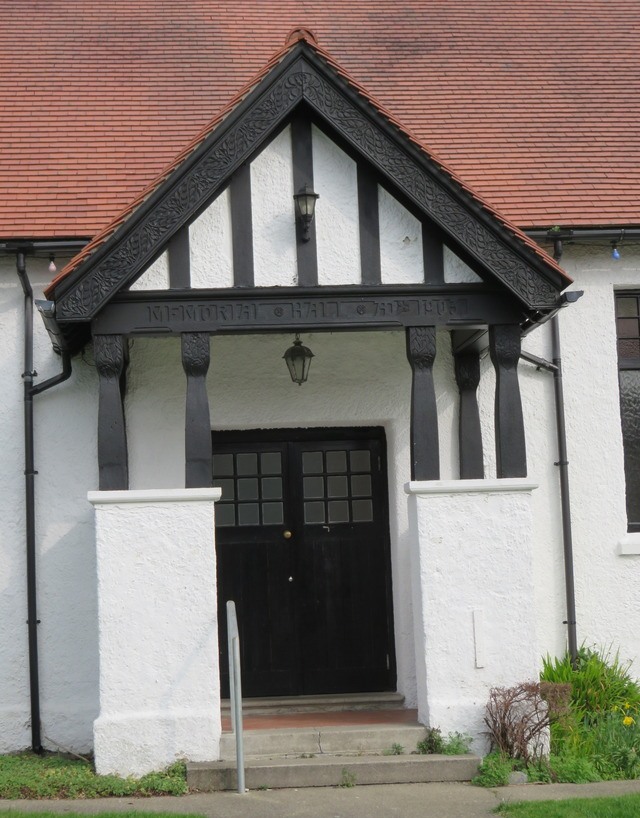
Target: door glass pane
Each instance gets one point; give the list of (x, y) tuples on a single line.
[(337, 487), (223, 465), (226, 486), (361, 485), (630, 411), (628, 328), (248, 488), (629, 348), (312, 462), (271, 463), (271, 488), (247, 463), (362, 511), (272, 514), (225, 514), (339, 511), (248, 514), (360, 460), (314, 512), (336, 461), (313, 487)]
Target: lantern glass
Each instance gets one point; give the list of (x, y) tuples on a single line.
[(306, 202)]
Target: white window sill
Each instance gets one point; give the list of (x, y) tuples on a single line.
[(629, 544)]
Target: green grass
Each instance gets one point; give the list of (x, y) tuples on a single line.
[(625, 806), (51, 776)]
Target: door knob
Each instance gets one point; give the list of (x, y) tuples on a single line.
[(287, 535)]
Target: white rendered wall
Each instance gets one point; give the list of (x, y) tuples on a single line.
[(472, 588), (65, 459), (158, 630), (210, 245), (155, 277)]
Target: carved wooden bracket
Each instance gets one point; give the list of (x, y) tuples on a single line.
[(467, 367), (198, 455), (511, 451), (425, 455), (110, 354)]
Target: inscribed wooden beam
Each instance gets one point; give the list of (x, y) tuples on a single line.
[(425, 455), (198, 456), (467, 367), (511, 453), (110, 355)]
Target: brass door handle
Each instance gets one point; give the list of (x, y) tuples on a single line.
[(287, 535)]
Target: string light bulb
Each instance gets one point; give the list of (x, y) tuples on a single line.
[(52, 264)]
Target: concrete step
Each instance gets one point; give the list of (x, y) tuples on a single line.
[(317, 704), (332, 771), (350, 740)]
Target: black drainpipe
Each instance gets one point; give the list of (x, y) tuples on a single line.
[(29, 476), (563, 465)]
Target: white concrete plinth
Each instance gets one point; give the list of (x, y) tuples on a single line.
[(158, 629), (473, 600)]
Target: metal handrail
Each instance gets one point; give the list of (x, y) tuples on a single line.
[(235, 690)]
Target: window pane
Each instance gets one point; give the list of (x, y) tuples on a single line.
[(626, 307), (223, 465), (362, 511), (360, 460), (272, 514), (337, 487), (336, 461), (630, 411), (361, 485), (314, 512), (339, 511), (271, 463), (628, 328), (312, 462), (271, 488), (248, 514), (226, 486), (247, 463), (248, 488), (313, 487), (628, 348), (225, 514)]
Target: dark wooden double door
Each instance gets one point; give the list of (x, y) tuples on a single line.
[(302, 539)]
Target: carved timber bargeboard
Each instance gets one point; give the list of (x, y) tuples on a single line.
[(139, 240)]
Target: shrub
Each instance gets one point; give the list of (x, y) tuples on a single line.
[(494, 771), (518, 718), (457, 744), (432, 742), (573, 770)]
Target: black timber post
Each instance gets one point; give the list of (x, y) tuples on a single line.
[(467, 367), (425, 455), (198, 455), (511, 453), (110, 354)]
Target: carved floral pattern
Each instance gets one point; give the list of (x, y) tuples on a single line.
[(421, 347), (505, 345), (193, 187), (195, 353), (109, 355), (467, 366)]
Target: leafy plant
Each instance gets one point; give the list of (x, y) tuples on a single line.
[(494, 771), (394, 750), (568, 769), (432, 742), (456, 744), (347, 779)]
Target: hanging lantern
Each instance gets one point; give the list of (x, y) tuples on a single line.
[(298, 360), (305, 209)]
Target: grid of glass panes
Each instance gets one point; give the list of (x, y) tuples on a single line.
[(337, 487), (628, 326), (251, 484)]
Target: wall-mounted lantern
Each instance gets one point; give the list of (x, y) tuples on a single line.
[(305, 201), (298, 360)]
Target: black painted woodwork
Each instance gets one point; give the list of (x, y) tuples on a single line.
[(425, 454), (329, 629), (280, 309), (432, 255), (511, 454), (369, 224), (110, 355), (303, 80), (242, 227), (467, 369), (197, 438), (302, 151), (180, 260)]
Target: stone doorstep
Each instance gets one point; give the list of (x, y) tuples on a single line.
[(349, 740), (318, 704), (332, 771)]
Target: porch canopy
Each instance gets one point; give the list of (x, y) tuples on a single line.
[(302, 88)]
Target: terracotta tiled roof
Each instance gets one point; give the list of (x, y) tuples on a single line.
[(535, 104)]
